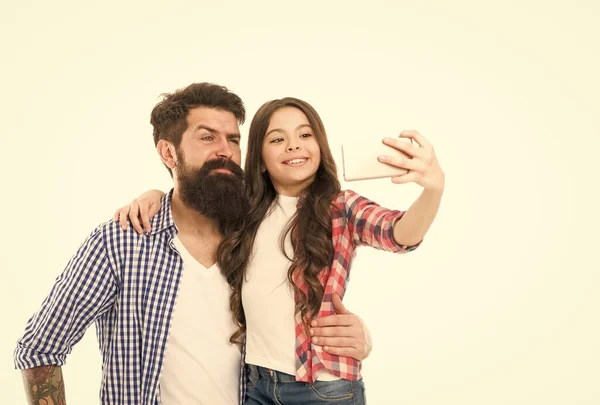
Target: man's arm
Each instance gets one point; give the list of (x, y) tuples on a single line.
[(83, 292), (342, 334), (44, 385)]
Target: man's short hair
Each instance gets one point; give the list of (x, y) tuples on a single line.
[(168, 117)]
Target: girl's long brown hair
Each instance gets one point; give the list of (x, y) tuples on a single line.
[(309, 228)]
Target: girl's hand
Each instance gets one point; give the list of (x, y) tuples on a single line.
[(141, 209), (424, 168)]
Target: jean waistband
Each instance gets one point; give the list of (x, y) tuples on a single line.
[(268, 373)]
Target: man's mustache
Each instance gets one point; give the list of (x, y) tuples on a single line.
[(221, 163)]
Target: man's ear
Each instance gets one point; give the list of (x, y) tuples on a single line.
[(167, 154)]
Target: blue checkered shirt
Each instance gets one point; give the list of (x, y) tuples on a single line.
[(127, 283)]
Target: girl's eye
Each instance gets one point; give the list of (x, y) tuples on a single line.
[(277, 140), (306, 135)]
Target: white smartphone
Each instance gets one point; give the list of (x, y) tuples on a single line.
[(359, 160)]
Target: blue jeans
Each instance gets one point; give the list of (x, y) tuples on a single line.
[(270, 387)]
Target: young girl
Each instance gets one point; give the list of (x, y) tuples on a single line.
[(294, 252)]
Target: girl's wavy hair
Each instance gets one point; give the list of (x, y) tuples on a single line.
[(309, 229)]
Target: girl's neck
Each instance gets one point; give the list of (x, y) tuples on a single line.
[(294, 190)]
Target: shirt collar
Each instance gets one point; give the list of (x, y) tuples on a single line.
[(163, 220)]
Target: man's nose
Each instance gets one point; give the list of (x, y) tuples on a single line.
[(225, 150)]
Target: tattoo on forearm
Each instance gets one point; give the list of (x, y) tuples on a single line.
[(44, 385)]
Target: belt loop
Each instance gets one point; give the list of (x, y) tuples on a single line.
[(253, 374)]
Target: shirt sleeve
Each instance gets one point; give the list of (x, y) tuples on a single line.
[(84, 291), (372, 225)]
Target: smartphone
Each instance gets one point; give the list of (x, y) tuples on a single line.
[(359, 160)]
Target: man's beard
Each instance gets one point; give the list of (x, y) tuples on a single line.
[(217, 196)]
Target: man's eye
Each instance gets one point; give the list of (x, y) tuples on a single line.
[(207, 138)]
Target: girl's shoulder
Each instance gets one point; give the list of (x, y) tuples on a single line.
[(346, 199), (351, 202), (347, 196)]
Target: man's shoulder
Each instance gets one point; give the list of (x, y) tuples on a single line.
[(114, 235)]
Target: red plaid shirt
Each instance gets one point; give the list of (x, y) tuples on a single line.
[(356, 221)]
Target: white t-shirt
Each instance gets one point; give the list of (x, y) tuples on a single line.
[(201, 366), (268, 297)]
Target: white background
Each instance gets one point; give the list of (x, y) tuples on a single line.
[(499, 305)]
